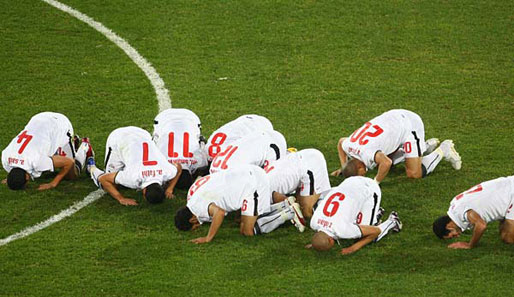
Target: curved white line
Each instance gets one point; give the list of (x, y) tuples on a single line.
[(163, 99)]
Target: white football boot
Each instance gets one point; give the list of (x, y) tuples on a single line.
[(396, 219), (450, 154), (298, 220), (431, 144)]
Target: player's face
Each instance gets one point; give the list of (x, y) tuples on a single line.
[(194, 220), (454, 231)]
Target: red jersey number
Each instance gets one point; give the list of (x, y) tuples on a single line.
[(215, 144), (26, 139), (147, 162), (185, 146), (332, 204), (198, 184), (220, 161), (475, 189), (363, 133)]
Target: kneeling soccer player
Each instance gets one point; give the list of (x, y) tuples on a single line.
[(133, 160), (351, 211), (45, 144), (489, 201), (246, 187)]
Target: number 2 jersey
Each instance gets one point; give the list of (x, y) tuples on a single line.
[(355, 201), (245, 188), (33, 148), (234, 130), (493, 200), (387, 133), (131, 152), (177, 135)]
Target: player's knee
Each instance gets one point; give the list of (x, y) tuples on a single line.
[(508, 237), (413, 173)]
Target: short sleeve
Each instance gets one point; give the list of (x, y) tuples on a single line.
[(128, 180), (44, 163)]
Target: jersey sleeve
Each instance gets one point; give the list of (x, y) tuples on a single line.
[(128, 180), (44, 163), (344, 230)]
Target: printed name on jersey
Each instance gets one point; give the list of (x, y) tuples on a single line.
[(151, 173), (324, 223), (15, 161)]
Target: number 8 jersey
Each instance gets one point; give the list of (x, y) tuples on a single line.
[(33, 148), (387, 133)]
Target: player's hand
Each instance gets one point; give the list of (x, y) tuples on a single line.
[(336, 173), (44, 187), (4, 181), (200, 240), (347, 251), (308, 246), (169, 194), (460, 245), (127, 201)]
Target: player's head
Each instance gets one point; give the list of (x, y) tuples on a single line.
[(185, 180), (445, 228), (154, 193), (354, 167), (322, 242), (17, 178), (185, 220)]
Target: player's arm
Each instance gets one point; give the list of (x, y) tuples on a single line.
[(66, 164), (369, 233), (247, 224), (173, 181), (384, 164), (478, 230), (108, 184), (342, 157), (217, 214)]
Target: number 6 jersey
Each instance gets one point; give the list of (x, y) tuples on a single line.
[(354, 202)]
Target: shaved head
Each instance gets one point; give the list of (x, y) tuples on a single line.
[(354, 167), (322, 242)]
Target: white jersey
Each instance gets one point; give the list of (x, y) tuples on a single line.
[(45, 135), (235, 130), (131, 152), (354, 202), (245, 188), (304, 172), (492, 200), (172, 114), (177, 135), (256, 148), (387, 133)]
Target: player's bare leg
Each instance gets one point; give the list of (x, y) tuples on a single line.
[(507, 231), (307, 204), (413, 167)]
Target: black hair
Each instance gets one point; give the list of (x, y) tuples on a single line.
[(16, 179), (154, 193), (185, 180), (439, 226), (182, 218)]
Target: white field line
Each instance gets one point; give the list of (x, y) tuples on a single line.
[(163, 99)]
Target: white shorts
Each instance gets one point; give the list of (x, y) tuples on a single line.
[(315, 174), (414, 144), (113, 161), (509, 215)]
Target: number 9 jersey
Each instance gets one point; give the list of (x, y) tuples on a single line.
[(354, 202)]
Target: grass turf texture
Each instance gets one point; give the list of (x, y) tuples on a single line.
[(317, 70)]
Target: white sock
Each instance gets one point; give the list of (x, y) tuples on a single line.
[(279, 206), (385, 227), (95, 174), (80, 156), (271, 221), (430, 162)]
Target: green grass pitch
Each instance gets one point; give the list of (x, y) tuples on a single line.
[(317, 70)]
